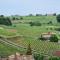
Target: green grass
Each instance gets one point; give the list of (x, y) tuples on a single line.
[(6, 32), (42, 19), (6, 50), (44, 47), (31, 34), (35, 31)]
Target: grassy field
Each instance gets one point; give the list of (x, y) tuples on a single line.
[(44, 47), (30, 34), (6, 50)]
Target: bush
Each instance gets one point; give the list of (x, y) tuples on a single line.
[(50, 22), (14, 25), (13, 18), (58, 18), (31, 23), (30, 14), (35, 24), (57, 29), (54, 58), (38, 14), (42, 39), (54, 14), (53, 38), (21, 18), (38, 57), (5, 21)]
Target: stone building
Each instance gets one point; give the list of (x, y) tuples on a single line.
[(47, 36), (18, 56)]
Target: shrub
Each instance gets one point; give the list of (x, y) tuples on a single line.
[(54, 58), (50, 22), (42, 39), (21, 18), (5, 21), (38, 57), (38, 14), (53, 38), (57, 29), (54, 14), (35, 24), (58, 18), (14, 25), (13, 18), (31, 23), (30, 14)]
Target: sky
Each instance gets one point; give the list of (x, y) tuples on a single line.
[(25, 7)]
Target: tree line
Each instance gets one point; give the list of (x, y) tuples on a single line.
[(5, 20)]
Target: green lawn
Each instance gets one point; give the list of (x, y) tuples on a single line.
[(44, 47), (6, 50), (31, 34)]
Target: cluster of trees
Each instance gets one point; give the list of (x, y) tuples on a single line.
[(57, 29), (58, 18), (41, 57), (5, 20), (54, 58), (35, 23), (38, 57), (54, 38), (16, 18), (50, 22), (54, 14)]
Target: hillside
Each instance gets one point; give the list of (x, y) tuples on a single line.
[(30, 34)]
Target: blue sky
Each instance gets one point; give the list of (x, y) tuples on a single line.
[(25, 7)]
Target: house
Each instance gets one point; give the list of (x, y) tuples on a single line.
[(56, 53), (46, 36), (18, 56), (49, 14)]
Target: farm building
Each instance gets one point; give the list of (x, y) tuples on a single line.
[(49, 14), (46, 36), (56, 53), (18, 56)]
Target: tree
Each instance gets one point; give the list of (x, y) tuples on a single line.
[(45, 14), (31, 23), (54, 58), (1, 15), (21, 18), (8, 21), (5, 21), (58, 18), (38, 57), (54, 14), (50, 22), (29, 51), (13, 18), (54, 38), (57, 29), (30, 14), (37, 23), (38, 14)]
